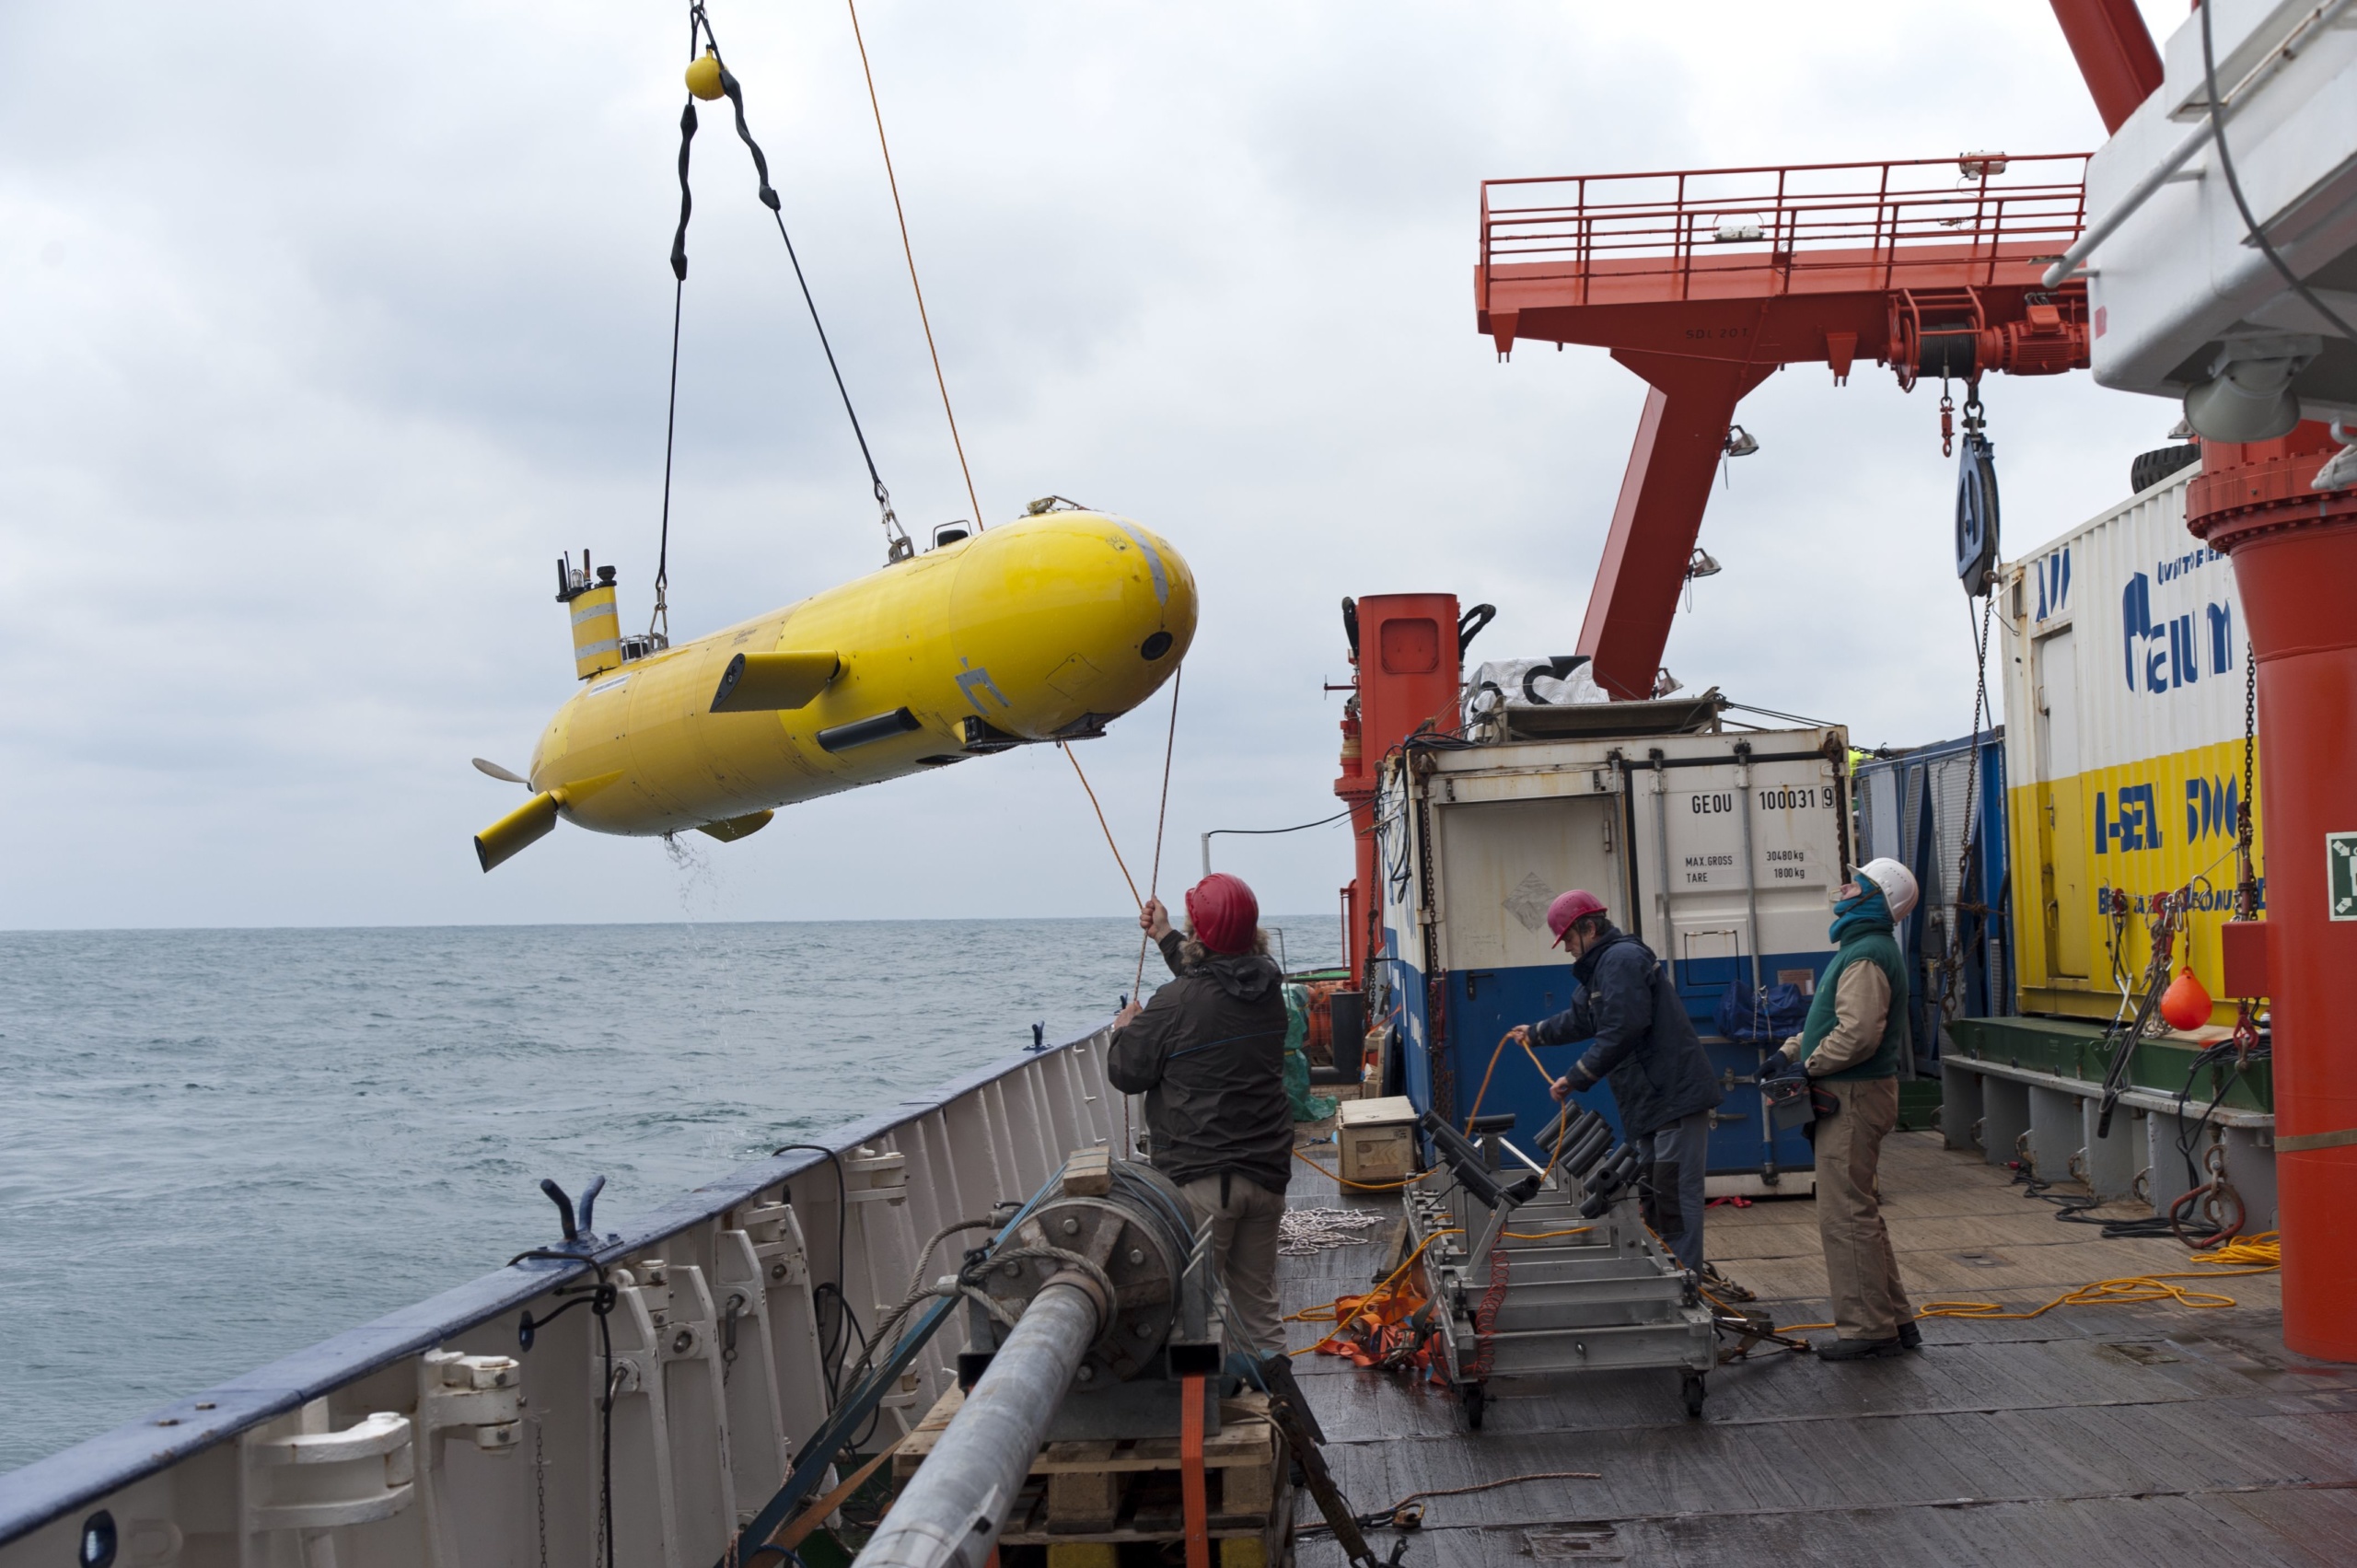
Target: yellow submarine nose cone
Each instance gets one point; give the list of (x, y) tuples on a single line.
[(703, 76), (1076, 614)]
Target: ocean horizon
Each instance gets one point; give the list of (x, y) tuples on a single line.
[(229, 1143)]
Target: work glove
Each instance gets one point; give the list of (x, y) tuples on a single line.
[(1572, 1083), (1780, 1065)]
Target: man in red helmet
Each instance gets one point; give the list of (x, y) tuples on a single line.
[(1209, 1055), (1647, 1050)]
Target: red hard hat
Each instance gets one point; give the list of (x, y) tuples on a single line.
[(1570, 907), (1224, 913)]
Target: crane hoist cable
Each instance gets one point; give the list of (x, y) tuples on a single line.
[(923, 318), (717, 81), (1950, 965)]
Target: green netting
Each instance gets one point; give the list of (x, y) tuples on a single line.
[(1306, 1107)]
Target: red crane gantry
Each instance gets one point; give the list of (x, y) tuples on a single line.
[(1703, 282)]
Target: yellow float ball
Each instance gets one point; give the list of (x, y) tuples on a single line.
[(703, 76)]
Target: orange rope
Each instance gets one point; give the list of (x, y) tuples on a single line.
[(1101, 824), (1560, 1143), (1540, 1066), (1162, 815), (1482, 1093), (906, 249), (1375, 1294), (1365, 1185)]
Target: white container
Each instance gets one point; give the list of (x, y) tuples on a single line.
[(1474, 843), (2124, 667)]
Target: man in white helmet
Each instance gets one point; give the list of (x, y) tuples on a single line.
[(1853, 1047)]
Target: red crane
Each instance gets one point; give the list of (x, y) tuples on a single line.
[(1705, 281), (1708, 281)]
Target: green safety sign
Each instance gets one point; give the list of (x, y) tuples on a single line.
[(2341, 874)]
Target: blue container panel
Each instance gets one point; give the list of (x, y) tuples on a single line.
[(1483, 1003)]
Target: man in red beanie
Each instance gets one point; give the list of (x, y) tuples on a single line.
[(1209, 1055), (1645, 1047)]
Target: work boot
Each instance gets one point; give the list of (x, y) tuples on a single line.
[(1909, 1337), (1860, 1350)]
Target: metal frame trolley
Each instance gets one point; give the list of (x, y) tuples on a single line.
[(1550, 1269)]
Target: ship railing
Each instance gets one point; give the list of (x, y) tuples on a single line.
[(1778, 226)]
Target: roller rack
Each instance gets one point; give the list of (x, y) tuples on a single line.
[(1553, 1270)]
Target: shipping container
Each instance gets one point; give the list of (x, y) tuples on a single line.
[(2125, 672), (1719, 849), (1940, 811)]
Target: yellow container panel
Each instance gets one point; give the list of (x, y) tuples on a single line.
[(2141, 829), (2125, 679)]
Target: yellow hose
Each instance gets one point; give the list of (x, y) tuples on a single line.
[(2259, 1254)]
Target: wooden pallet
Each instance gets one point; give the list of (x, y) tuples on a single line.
[(1120, 1491)]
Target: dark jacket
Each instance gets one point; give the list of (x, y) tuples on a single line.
[(1209, 1055), (1645, 1045)]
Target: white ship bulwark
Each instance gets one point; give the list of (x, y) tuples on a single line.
[(436, 1435)]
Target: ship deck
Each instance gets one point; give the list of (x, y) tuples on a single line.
[(2085, 1435)]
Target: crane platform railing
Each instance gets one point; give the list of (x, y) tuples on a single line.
[(1773, 230)]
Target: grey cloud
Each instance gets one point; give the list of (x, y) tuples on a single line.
[(326, 329)]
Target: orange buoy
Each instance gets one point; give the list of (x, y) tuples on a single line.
[(2185, 1004)]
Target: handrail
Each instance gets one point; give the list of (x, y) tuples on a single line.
[(1998, 208)]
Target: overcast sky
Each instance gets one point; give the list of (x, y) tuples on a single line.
[(323, 329)]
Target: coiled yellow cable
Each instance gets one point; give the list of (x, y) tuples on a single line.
[(2259, 1254)]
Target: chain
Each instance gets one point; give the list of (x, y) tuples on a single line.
[(1300, 1232), (2246, 882), (897, 544), (541, 1491), (729, 1336), (605, 1546), (1947, 422), (1485, 1318), (600, 1300), (2168, 917), (1952, 961)]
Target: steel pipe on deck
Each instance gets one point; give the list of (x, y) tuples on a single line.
[(953, 1507)]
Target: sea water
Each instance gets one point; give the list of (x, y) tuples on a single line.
[(219, 1147)]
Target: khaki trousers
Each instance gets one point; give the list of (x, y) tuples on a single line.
[(1244, 1250), (1869, 1303)]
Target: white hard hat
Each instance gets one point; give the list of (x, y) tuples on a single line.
[(1898, 885)]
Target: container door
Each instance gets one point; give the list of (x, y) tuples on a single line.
[(1499, 865), (1405, 1003), (2061, 813), (1720, 922)]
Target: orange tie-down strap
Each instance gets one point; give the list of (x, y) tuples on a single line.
[(1193, 1494)]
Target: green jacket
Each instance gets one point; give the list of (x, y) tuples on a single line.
[(1870, 945)]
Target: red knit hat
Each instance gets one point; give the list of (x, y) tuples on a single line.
[(1224, 912)]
